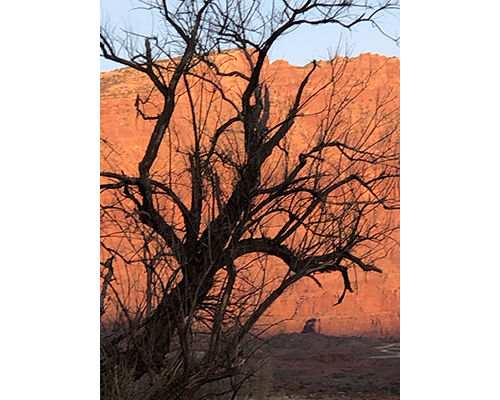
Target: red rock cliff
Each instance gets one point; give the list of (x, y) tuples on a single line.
[(373, 309)]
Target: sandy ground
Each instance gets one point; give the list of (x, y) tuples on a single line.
[(315, 366)]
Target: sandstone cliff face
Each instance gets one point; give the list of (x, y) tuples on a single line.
[(373, 309)]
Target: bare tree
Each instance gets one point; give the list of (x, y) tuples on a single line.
[(226, 210)]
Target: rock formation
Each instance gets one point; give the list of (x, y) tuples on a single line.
[(373, 308)]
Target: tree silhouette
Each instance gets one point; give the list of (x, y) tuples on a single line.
[(227, 209)]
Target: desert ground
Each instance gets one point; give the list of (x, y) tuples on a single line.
[(316, 366)]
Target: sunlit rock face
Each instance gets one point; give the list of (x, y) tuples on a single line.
[(373, 308)]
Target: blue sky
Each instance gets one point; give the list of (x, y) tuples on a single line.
[(450, 145), (298, 48)]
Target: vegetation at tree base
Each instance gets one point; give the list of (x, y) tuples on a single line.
[(227, 209)]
